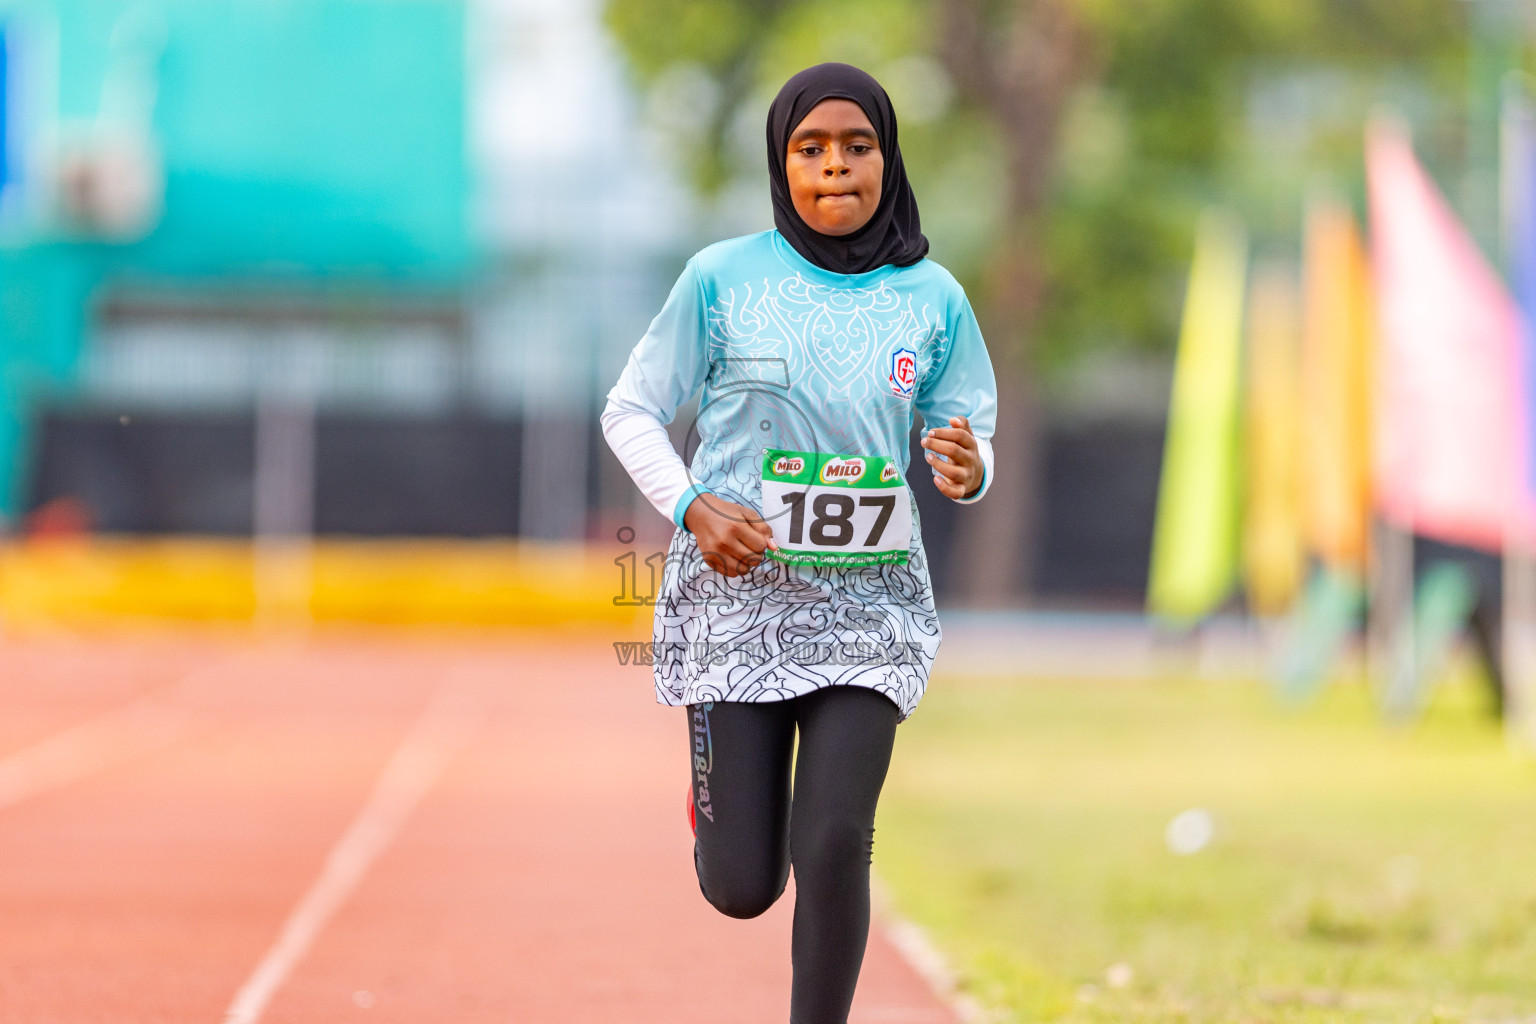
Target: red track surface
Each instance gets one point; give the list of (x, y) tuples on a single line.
[(171, 802)]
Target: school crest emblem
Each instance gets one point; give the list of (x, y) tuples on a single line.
[(903, 372)]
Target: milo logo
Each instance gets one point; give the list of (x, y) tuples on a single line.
[(788, 465), (842, 471), (889, 473)]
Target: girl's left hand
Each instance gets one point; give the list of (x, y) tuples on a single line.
[(961, 476)]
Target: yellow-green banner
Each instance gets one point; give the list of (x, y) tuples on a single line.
[(1194, 543)]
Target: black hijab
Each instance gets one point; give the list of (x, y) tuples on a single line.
[(893, 234)]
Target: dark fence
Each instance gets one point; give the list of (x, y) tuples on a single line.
[(459, 476), (374, 476)]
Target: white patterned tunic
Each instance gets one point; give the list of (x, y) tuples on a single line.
[(793, 357)]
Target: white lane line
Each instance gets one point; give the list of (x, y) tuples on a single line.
[(913, 945), (421, 757), (117, 735), (154, 720)]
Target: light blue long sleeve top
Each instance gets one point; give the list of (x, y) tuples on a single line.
[(794, 357)]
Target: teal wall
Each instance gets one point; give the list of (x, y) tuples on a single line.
[(42, 308), (306, 144), (300, 136)]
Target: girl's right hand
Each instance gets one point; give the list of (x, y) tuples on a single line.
[(731, 537)]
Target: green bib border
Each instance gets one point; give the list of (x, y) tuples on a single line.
[(837, 560)]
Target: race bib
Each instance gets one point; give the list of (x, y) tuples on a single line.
[(834, 510)]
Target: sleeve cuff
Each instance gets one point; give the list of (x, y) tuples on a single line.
[(684, 500)]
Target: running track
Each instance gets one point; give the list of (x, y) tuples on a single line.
[(358, 828)]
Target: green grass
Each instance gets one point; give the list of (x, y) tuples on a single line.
[(1359, 872)]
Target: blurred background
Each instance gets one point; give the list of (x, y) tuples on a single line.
[(326, 268), (414, 235), (307, 312)]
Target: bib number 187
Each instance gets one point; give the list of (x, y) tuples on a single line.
[(832, 518), (836, 510)]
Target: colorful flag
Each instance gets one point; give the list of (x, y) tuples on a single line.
[(1272, 536), (1336, 388), (1446, 453), (1194, 544)]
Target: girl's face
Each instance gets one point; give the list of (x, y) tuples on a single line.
[(834, 166)]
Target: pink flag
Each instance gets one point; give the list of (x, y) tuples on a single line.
[(1445, 448)]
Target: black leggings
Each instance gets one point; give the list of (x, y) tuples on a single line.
[(750, 829)]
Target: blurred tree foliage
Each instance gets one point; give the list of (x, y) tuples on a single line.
[(1153, 125), (1060, 151)]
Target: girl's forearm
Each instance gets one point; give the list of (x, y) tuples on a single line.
[(641, 443)]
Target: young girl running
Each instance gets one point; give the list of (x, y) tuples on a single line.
[(796, 595)]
